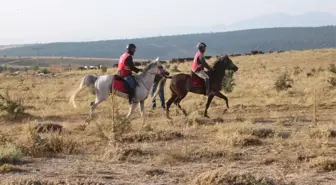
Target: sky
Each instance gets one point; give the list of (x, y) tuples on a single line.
[(43, 21)]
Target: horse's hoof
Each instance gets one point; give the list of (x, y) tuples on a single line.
[(168, 117), (206, 115), (225, 110), (88, 120), (185, 113)]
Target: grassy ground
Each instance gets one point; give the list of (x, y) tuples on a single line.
[(266, 137)]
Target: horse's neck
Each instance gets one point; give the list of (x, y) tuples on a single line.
[(147, 78), (217, 75)]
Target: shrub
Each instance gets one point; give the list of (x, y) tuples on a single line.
[(175, 69), (13, 108), (49, 144), (104, 69), (332, 81), (228, 82), (9, 154), (283, 82), (297, 70), (332, 68)]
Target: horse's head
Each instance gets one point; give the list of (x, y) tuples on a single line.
[(225, 63), (155, 67)]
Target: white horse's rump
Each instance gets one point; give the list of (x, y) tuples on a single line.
[(101, 87)]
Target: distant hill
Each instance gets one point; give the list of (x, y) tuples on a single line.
[(167, 47), (312, 19), (274, 20)]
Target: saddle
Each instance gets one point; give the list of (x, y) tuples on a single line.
[(196, 81), (118, 84), (117, 77)]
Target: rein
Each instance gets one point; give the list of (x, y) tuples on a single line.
[(144, 82)]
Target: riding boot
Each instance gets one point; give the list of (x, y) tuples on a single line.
[(207, 86), (130, 95)]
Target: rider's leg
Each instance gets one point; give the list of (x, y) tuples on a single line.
[(131, 84), (205, 76)]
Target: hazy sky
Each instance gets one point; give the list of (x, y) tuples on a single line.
[(31, 21)]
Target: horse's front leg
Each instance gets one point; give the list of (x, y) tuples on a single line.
[(142, 112), (142, 108), (220, 95), (131, 110), (210, 97)]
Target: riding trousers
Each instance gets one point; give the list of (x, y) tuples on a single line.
[(202, 74), (130, 81)]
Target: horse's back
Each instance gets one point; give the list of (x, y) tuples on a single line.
[(181, 76), (180, 81)]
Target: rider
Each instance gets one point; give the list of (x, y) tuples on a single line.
[(125, 68), (199, 64)]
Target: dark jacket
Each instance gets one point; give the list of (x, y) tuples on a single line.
[(201, 60), (157, 79)]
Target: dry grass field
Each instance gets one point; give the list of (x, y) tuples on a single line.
[(267, 137)]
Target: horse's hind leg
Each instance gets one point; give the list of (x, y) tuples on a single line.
[(177, 102), (169, 102), (100, 97)]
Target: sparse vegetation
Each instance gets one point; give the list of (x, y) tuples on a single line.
[(283, 82), (34, 67), (222, 177), (297, 70), (332, 68), (264, 138), (104, 69), (6, 168), (332, 81), (175, 69), (324, 164), (13, 108), (9, 154), (228, 81), (49, 144)]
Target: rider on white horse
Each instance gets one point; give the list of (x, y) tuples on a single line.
[(125, 68)]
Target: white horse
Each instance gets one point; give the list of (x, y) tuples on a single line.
[(101, 86)]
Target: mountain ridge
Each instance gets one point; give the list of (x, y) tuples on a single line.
[(167, 47)]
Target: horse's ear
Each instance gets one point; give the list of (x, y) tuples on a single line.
[(226, 56), (157, 59)]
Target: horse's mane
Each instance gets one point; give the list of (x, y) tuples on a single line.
[(149, 66), (218, 61), (145, 70)]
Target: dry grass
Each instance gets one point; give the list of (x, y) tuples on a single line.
[(7, 168), (224, 177), (274, 135), (50, 144), (9, 154)]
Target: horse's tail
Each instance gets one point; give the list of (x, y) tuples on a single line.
[(160, 86), (87, 81)]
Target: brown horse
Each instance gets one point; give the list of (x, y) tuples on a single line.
[(181, 84)]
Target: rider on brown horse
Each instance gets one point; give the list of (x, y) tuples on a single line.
[(199, 64), (125, 68)]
